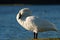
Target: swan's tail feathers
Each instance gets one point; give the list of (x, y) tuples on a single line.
[(55, 30), (54, 27)]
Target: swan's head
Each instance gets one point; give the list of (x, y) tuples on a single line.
[(24, 12)]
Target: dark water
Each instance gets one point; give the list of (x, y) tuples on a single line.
[(11, 30)]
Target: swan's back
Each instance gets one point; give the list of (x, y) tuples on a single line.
[(40, 24)]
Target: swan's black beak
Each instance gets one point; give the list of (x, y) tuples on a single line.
[(20, 16)]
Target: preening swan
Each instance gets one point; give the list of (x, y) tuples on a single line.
[(33, 23)]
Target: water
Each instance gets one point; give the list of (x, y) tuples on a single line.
[(11, 30)]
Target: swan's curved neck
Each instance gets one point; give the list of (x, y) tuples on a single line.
[(17, 17), (21, 21)]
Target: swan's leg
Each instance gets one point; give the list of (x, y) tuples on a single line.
[(35, 35)]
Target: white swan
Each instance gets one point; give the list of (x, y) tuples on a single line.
[(33, 23)]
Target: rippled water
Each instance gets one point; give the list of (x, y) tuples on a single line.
[(11, 30)]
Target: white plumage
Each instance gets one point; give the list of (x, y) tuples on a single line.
[(33, 23)]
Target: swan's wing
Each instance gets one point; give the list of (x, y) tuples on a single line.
[(44, 25), (41, 24)]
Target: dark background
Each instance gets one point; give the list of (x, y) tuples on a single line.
[(30, 2)]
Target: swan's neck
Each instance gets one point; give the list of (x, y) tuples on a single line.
[(20, 21)]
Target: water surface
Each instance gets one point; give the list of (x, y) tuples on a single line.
[(11, 30)]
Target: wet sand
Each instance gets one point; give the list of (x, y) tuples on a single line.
[(47, 39)]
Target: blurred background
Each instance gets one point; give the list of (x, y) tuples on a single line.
[(11, 30)]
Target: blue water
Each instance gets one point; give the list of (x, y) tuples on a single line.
[(11, 30)]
